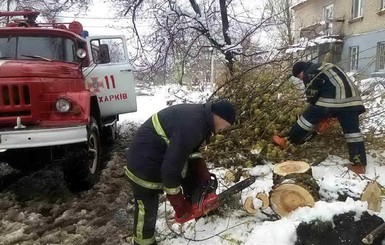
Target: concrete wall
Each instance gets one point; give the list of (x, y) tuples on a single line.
[(372, 19), (307, 14), (367, 44), (311, 12), (364, 32)]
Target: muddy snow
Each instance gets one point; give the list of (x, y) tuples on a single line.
[(38, 208)]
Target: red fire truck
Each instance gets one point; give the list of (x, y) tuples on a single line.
[(61, 93)]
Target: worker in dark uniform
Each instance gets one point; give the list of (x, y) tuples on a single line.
[(164, 155), (331, 94)]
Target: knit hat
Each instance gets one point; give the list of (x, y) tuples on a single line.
[(225, 110), (299, 67)]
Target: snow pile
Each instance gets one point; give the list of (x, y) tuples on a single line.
[(235, 226), (305, 43)]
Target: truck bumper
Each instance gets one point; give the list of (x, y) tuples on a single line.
[(42, 137)]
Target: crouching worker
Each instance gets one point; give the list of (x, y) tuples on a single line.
[(163, 156), (331, 94)]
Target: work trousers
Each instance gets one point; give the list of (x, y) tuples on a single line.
[(304, 129), (147, 201), (145, 214)]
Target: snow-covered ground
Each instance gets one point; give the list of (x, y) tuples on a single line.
[(153, 100), (239, 227)]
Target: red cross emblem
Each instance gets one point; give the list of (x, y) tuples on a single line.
[(94, 84)]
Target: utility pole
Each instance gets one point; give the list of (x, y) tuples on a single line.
[(212, 68)]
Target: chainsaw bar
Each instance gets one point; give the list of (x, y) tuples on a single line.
[(236, 188)]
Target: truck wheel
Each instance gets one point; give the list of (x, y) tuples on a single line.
[(82, 168)]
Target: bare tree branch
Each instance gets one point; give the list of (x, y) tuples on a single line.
[(188, 31), (195, 6)]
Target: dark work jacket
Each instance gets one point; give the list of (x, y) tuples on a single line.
[(187, 126), (328, 86)]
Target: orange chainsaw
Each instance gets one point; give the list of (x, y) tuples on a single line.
[(210, 201)]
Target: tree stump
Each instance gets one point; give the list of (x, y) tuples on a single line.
[(293, 187)]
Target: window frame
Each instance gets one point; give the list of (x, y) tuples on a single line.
[(326, 8), (380, 56), (357, 13), (61, 48), (382, 5), (117, 52), (353, 58)]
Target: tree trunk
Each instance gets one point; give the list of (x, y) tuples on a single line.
[(225, 28)]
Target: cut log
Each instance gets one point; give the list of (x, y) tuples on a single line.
[(291, 167), (372, 195), (294, 187), (265, 200), (288, 197), (248, 205), (369, 239)]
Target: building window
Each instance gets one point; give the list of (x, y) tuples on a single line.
[(382, 4), (356, 8), (353, 58), (327, 17), (380, 64), (328, 11)]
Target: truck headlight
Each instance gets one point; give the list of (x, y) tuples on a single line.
[(63, 105)]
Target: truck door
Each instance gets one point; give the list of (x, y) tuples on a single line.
[(110, 75)]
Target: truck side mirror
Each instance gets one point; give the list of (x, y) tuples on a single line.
[(104, 54)]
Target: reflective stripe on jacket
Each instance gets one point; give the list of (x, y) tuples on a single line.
[(328, 86)]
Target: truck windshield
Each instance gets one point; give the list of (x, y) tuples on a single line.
[(41, 48)]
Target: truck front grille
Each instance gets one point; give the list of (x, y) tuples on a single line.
[(15, 100)]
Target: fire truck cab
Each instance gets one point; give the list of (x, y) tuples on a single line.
[(61, 93)]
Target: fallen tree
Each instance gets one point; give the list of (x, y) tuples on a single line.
[(267, 103)]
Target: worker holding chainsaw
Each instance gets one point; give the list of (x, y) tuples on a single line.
[(331, 94), (164, 156)]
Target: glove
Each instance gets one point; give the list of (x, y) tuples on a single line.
[(324, 125), (181, 205), (280, 141)]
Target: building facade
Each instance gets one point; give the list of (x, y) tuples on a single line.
[(352, 32)]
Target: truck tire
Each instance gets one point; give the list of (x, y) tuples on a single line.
[(83, 164)]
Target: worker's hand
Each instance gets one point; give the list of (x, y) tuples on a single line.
[(280, 141), (181, 205)]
